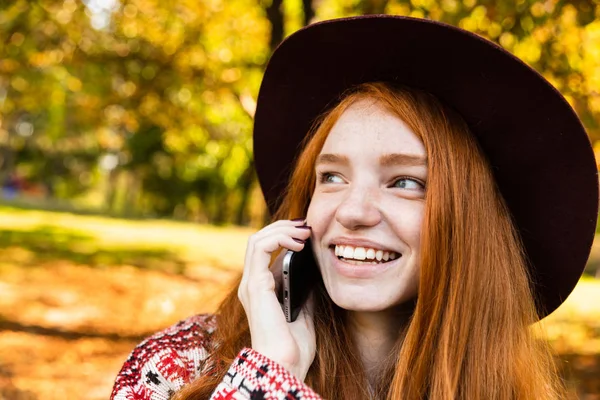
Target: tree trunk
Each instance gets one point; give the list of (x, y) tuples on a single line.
[(130, 207), (220, 207), (275, 16), (112, 178), (309, 11), (245, 185), (373, 6)]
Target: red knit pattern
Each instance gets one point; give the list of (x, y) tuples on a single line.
[(162, 364)]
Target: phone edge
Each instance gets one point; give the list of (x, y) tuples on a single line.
[(287, 306)]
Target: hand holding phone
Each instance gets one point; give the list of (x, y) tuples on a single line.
[(292, 345)]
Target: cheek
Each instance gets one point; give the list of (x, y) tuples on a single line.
[(319, 215), (409, 223), (416, 227)]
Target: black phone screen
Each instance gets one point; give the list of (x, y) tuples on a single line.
[(299, 278)]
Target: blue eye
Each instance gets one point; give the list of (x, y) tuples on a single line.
[(328, 177), (408, 183)]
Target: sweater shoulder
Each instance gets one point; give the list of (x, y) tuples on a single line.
[(164, 362)]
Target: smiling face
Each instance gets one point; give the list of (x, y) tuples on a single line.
[(367, 209)]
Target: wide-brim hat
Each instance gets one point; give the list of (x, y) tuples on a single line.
[(538, 149)]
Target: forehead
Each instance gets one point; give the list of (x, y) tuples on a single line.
[(367, 127)]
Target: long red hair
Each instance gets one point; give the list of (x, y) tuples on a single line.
[(470, 335)]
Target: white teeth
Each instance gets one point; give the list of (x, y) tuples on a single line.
[(371, 254), (356, 262), (362, 253), (348, 252)]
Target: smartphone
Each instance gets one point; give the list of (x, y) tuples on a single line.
[(300, 274)]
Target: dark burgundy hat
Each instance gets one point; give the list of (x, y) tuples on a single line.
[(538, 149)]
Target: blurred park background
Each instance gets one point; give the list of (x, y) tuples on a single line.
[(127, 187)]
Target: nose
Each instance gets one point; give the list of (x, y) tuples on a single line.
[(359, 209)]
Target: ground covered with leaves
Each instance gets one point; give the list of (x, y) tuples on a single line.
[(79, 292)]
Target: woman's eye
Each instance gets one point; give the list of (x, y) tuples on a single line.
[(408, 183), (328, 177)]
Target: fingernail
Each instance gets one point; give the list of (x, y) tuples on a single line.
[(298, 240), (304, 227), (298, 219)]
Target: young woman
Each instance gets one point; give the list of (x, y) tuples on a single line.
[(450, 195)]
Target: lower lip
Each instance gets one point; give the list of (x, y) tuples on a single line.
[(364, 271)]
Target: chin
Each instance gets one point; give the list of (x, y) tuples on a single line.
[(352, 306), (366, 300)]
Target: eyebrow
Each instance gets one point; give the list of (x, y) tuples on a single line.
[(387, 160)]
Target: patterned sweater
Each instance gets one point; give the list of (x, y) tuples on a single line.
[(162, 364)]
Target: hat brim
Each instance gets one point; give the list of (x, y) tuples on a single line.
[(540, 154)]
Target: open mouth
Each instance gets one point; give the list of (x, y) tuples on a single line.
[(363, 255)]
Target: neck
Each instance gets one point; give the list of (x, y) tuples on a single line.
[(375, 334)]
